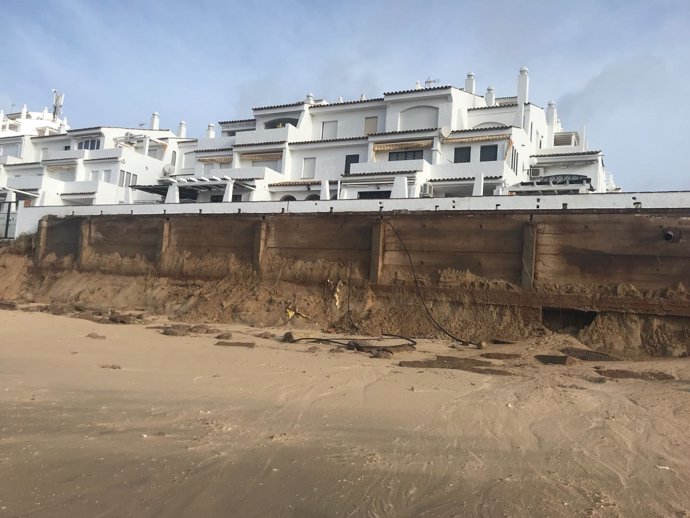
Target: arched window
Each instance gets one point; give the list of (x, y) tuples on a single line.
[(173, 159), (313, 197), (288, 198)]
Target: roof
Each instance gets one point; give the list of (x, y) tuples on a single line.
[(237, 121), (357, 101), (288, 105), (403, 132), (22, 163), (262, 143), (463, 179), (114, 157), (491, 128), (345, 139), (76, 130), (574, 153), (417, 90), (383, 173), (213, 149), (77, 193), (295, 183), (509, 105)]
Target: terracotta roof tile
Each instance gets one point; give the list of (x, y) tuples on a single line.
[(357, 101), (418, 90), (288, 105), (575, 153), (328, 140)]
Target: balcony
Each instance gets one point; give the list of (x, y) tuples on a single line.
[(236, 173), (260, 136), (389, 167), (25, 182), (468, 170), (69, 154)]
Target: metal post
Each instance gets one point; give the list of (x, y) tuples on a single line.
[(7, 221)]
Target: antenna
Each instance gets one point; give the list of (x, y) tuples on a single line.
[(58, 100), (429, 82)]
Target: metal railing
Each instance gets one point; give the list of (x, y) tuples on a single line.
[(8, 219)]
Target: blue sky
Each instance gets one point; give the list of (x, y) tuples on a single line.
[(620, 68)]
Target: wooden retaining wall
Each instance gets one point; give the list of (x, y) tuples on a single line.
[(649, 250)]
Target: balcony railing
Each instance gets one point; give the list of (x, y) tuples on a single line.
[(389, 167)]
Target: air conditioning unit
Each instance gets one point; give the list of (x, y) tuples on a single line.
[(535, 172), (427, 190)]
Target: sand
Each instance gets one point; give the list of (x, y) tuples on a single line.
[(142, 424)]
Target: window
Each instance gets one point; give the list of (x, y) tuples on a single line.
[(216, 198), (373, 195), (462, 155), (89, 144), (288, 198), (414, 154), (134, 179), (312, 197), (95, 175), (309, 167), (121, 180), (236, 197), (128, 179), (488, 153), (67, 148), (349, 160), (106, 176), (371, 125), (173, 159), (329, 130)]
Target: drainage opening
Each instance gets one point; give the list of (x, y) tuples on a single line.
[(566, 320)]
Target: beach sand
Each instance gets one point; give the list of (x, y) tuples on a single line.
[(141, 424)]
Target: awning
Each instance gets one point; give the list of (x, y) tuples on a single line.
[(481, 138), (262, 156), (225, 159), (410, 144)]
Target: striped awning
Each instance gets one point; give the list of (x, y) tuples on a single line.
[(262, 156), (397, 146), (479, 138), (225, 159)]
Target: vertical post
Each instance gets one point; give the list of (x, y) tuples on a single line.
[(84, 251), (7, 220), (529, 254), (260, 235), (377, 249), (163, 252), (41, 240)]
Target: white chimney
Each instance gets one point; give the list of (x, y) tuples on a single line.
[(550, 123), (490, 97), (182, 129), (22, 114), (418, 85), (470, 83), (522, 97), (362, 97), (155, 121), (310, 98), (211, 131)]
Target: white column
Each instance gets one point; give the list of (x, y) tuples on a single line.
[(399, 187), (325, 190), (173, 194), (227, 196), (478, 189)]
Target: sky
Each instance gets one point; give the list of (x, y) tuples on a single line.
[(618, 69)]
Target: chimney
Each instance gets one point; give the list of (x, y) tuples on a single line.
[(490, 97), (155, 121), (469, 83), (550, 123), (211, 131), (310, 98), (418, 85), (522, 97), (182, 129), (22, 114)]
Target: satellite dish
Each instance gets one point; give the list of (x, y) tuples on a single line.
[(168, 169)]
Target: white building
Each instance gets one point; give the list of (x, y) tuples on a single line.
[(437, 141)]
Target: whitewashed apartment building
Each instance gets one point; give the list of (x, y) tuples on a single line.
[(438, 141)]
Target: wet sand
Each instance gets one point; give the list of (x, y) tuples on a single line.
[(141, 424)]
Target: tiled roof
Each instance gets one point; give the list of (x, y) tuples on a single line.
[(424, 130), (357, 101), (492, 128), (261, 143), (418, 90), (187, 141), (295, 183), (288, 105), (77, 193), (327, 140), (213, 149), (463, 179), (23, 163), (63, 135), (575, 153), (511, 105), (114, 157), (382, 173), (237, 121)]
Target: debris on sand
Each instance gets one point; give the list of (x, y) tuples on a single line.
[(223, 343), (113, 366), (224, 336), (382, 354), (500, 356), (453, 362), (202, 329), (176, 330), (644, 375), (588, 355), (95, 336), (555, 359), (8, 305)]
